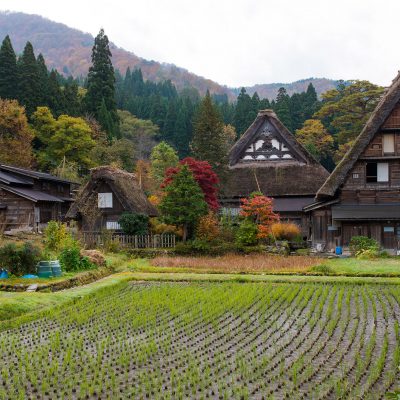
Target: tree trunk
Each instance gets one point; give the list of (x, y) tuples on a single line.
[(185, 232)]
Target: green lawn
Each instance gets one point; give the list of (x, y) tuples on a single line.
[(355, 267)]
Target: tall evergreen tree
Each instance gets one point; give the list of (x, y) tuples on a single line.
[(282, 107), (244, 113), (55, 98), (100, 86), (43, 75), (208, 137), (28, 73), (168, 131), (8, 70)]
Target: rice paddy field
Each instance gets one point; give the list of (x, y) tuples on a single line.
[(199, 340)]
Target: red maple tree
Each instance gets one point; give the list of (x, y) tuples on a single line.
[(204, 176), (260, 209)]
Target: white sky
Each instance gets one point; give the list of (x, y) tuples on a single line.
[(244, 42)]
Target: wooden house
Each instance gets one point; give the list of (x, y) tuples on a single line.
[(269, 159), (108, 194), (362, 195), (29, 199)]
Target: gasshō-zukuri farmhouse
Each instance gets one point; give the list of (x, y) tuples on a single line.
[(269, 159), (362, 195)]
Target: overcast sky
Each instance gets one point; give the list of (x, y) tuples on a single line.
[(244, 42)]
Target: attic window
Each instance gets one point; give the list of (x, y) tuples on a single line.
[(388, 143), (104, 200), (356, 175), (377, 172)]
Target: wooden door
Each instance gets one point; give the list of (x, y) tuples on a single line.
[(389, 237)]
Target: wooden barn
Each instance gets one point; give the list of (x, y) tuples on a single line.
[(362, 195), (269, 159), (108, 194), (29, 199)]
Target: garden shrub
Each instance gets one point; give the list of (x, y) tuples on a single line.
[(71, 259), (207, 227), (247, 233), (358, 244), (228, 228), (19, 259), (158, 227), (285, 231), (55, 236), (134, 224), (368, 254)]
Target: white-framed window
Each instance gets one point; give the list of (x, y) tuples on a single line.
[(105, 200), (377, 172), (383, 172), (388, 143), (113, 225)]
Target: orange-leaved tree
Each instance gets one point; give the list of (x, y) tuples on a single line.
[(259, 208)]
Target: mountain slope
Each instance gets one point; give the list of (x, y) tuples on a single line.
[(69, 50)]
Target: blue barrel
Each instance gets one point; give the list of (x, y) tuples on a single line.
[(55, 268), (3, 274), (338, 250), (44, 269)]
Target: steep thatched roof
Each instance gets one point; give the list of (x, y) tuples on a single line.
[(123, 184), (263, 115), (273, 181), (382, 111), (300, 176)]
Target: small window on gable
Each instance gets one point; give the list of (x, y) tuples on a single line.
[(356, 175), (388, 143), (105, 200), (377, 172)]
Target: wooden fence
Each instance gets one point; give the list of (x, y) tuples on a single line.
[(100, 239)]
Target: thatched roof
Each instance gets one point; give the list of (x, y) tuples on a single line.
[(382, 111), (300, 176), (270, 116), (123, 184), (280, 180)]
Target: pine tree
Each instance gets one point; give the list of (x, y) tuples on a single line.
[(43, 75), (100, 86), (55, 98), (208, 138), (105, 120), (28, 87), (183, 201), (8, 70), (244, 113), (72, 105), (282, 107), (182, 136), (168, 130)]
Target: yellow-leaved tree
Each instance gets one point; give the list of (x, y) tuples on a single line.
[(15, 135)]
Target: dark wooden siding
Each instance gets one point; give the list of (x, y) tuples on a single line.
[(19, 211)]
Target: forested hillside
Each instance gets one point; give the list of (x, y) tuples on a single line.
[(48, 120), (68, 50)]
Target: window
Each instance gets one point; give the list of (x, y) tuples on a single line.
[(383, 172), (356, 176), (388, 143), (113, 225), (105, 200), (377, 172)]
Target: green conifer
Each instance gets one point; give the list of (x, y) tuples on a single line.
[(8, 70), (100, 86), (28, 88)]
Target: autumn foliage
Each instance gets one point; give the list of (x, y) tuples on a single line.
[(285, 230), (206, 178), (260, 208), (208, 228)]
